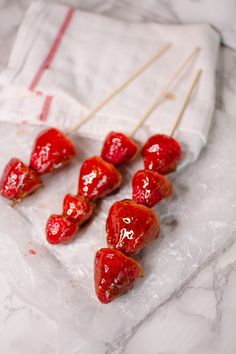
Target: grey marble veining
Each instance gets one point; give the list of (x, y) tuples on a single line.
[(200, 317), (201, 302)]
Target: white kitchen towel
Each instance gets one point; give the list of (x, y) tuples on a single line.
[(64, 62)]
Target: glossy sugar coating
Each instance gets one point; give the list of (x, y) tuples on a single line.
[(114, 274), (131, 226), (161, 153), (77, 208), (149, 187), (98, 178), (18, 180), (60, 229), (118, 148), (52, 150)]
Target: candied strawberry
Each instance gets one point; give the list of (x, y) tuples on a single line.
[(98, 178), (161, 153), (52, 150), (118, 148), (60, 229), (149, 187), (130, 226), (114, 274), (77, 208), (18, 180)]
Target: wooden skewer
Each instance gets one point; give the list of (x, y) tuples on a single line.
[(186, 101), (120, 88), (163, 93)]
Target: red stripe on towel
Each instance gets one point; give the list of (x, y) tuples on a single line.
[(53, 50), (46, 107)]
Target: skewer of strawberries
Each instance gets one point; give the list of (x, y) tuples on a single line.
[(99, 176), (161, 155), (131, 224), (53, 149)]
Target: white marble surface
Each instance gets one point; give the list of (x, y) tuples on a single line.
[(200, 319)]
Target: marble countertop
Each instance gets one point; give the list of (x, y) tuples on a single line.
[(199, 319)]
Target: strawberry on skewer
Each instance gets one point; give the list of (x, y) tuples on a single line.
[(53, 149), (149, 187), (130, 226), (60, 229), (98, 178), (18, 180), (119, 148), (161, 152), (115, 274), (77, 208)]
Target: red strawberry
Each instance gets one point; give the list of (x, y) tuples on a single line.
[(18, 180), (130, 226), (118, 148), (98, 178), (52, 150), (77, 208), (161, 153), (60, 229), (115, 274), (149, 187)]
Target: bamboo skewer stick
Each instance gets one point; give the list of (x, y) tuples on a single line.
[(163, 93), (186, 101), (120, 88)]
